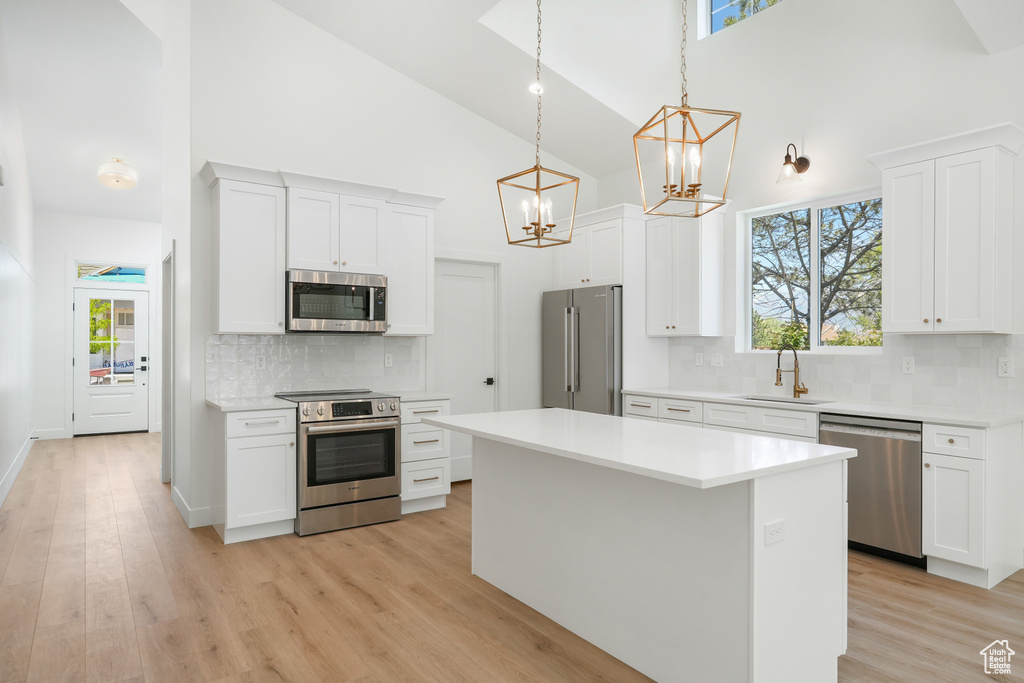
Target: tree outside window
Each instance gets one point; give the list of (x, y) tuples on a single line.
[(817, 268)]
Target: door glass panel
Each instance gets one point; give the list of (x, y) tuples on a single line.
[(99, 364), (100, 355), (124, 363)]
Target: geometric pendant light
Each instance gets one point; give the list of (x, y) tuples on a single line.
[(530, 198), (117, 174), (684, 155)]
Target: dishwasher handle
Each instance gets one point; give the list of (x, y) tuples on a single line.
[(877, 432)]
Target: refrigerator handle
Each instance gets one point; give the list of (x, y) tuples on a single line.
[(575, 349), (565, 356)]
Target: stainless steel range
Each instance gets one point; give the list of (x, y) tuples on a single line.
[(349, 459)]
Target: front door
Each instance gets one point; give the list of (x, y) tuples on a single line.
[(111, 353)]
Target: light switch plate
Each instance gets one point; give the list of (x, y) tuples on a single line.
[(717, 360), (389, 360), (698, 359)]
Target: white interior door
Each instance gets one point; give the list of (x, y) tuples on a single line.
[(111, 354), (464, 334)]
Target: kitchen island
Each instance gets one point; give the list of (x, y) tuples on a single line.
[(689, 554)]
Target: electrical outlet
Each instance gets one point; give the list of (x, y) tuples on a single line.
[(698, 359), (716, 360), (1005, 368), (261, 362), (775, 532), (389, 360), (908, 365)]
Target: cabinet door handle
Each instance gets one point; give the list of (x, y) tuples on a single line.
[(679, 410), (427, 441), (424, 412), (927, 464), (335, 263), (259, 423), (938, 320), (417, 481), (926, 319), (951, 441)]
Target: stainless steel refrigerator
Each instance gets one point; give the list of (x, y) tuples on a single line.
[(581, 361)]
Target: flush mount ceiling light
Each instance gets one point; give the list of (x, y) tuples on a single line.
[(684, 155), (117, 174), (791, 169), (528, 198)]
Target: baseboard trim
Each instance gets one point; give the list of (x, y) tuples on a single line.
[(12, 472), (194, 517), (47, 434)]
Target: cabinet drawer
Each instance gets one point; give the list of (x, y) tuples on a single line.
[(413, 411), (648, 418), (426, 478), (679, 409), (640, 405), (260, 423), (725, 415), (960, 441), (423, 442), (788, 422)]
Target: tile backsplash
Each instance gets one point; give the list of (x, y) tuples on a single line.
[(954, 371), (309, 362)]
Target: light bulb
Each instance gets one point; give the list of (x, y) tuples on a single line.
[(526, 212), (548, 205), (694, 163), (536, 88)]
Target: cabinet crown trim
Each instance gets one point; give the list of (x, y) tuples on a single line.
[(345, 187), (1006, 136), (212, 171)]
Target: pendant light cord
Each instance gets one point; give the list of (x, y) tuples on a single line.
[(682, 52), (538, 83)]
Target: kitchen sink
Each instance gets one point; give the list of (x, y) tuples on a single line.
[(783, 399)]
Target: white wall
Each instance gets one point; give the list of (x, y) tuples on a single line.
[(842, 81), (61, 240), (16, 289), (271, 90)]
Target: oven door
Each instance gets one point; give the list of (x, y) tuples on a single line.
[(336, 302), (344, 462)]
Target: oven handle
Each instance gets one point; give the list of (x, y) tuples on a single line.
[(360, 428)]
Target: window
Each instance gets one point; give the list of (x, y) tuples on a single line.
[(816, 276), (725, 13), (111, 273)]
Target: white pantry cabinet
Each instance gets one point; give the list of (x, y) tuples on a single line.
[(947, 237), (593, 257), (254, 474), (684, 276)]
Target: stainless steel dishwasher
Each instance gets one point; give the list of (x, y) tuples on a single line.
[(884, 483)]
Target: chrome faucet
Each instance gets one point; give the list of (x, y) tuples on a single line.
[(798, 387)]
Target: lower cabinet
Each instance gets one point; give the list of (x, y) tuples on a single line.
[(426, 457), (254, 474), (953, 502)]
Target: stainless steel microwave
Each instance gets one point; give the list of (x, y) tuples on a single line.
[(319, 301)]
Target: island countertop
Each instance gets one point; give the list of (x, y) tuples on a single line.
[(691, 456)]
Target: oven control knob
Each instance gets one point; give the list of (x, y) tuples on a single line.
[(320, 410), (380, 406), (305, 411), (394, 406)]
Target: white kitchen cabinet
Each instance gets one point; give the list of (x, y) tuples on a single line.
[(426, 456), (953, 505), (254, 474), (410, 271), (336, 233), (594, 257), (684, 276), (947, 238), (365, 234), (248, 238)]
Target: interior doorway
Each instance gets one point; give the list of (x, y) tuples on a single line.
[(465, 346), (110, 363)]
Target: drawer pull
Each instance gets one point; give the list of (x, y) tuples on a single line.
[(679, 410), (424, 412), (427, 441), (260, 423), (951, 441), (927, 464), (640, 405), (417, 481)]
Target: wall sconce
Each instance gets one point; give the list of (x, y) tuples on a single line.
[(791, 169)]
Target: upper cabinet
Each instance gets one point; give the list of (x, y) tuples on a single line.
[(684, 276), (248, 242), (594, 257), (947, 238), (332, 225)]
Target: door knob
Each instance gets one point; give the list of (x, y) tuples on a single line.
[(927, 465), (489, 381)]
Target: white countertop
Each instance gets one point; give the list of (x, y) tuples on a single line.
[(936, 415), (238, 405), (701, 458), (421, 395)]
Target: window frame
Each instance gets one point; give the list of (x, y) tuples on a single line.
[(744, 299)]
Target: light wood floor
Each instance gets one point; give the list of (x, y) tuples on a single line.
[(102, 581)]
